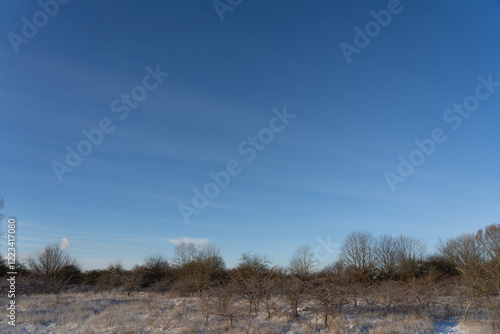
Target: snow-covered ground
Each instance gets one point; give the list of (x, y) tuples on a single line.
[(447, 326), (149, 313)]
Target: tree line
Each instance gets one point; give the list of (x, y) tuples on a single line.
[(392, 273)]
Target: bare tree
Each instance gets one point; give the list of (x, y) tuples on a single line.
[(51, 261), (253, 264), (358, 253), (188, 256), (53, 269), (185, 253), (489, 277), (196, 266), (386, 249), (410, 255), (464, 251), (210, 258), (303, 262), (489, 238), (479, 271)]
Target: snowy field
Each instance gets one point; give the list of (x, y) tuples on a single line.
[(152, 313)]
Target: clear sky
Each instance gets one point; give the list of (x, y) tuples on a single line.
[(355, 103)]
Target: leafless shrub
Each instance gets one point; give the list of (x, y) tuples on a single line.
[(156, 269), (477, 257), (251, 272), (112, 277), (132, 279), (330, 294), (198, 269), (386, 277), (294, 291), (271, 285), (224, 301)]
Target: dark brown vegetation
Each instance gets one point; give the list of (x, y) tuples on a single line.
[(374, 275)]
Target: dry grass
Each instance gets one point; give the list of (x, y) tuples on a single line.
[(479, 327), (147, 313)]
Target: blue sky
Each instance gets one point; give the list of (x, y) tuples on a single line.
[(322, 176)]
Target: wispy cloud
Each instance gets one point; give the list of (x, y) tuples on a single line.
[(196, 242)]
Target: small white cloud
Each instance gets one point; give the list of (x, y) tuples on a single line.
[(65, 244), (196, 242), (23, 256)]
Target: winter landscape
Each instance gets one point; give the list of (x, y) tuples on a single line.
[(379, 285), (236, 166)]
